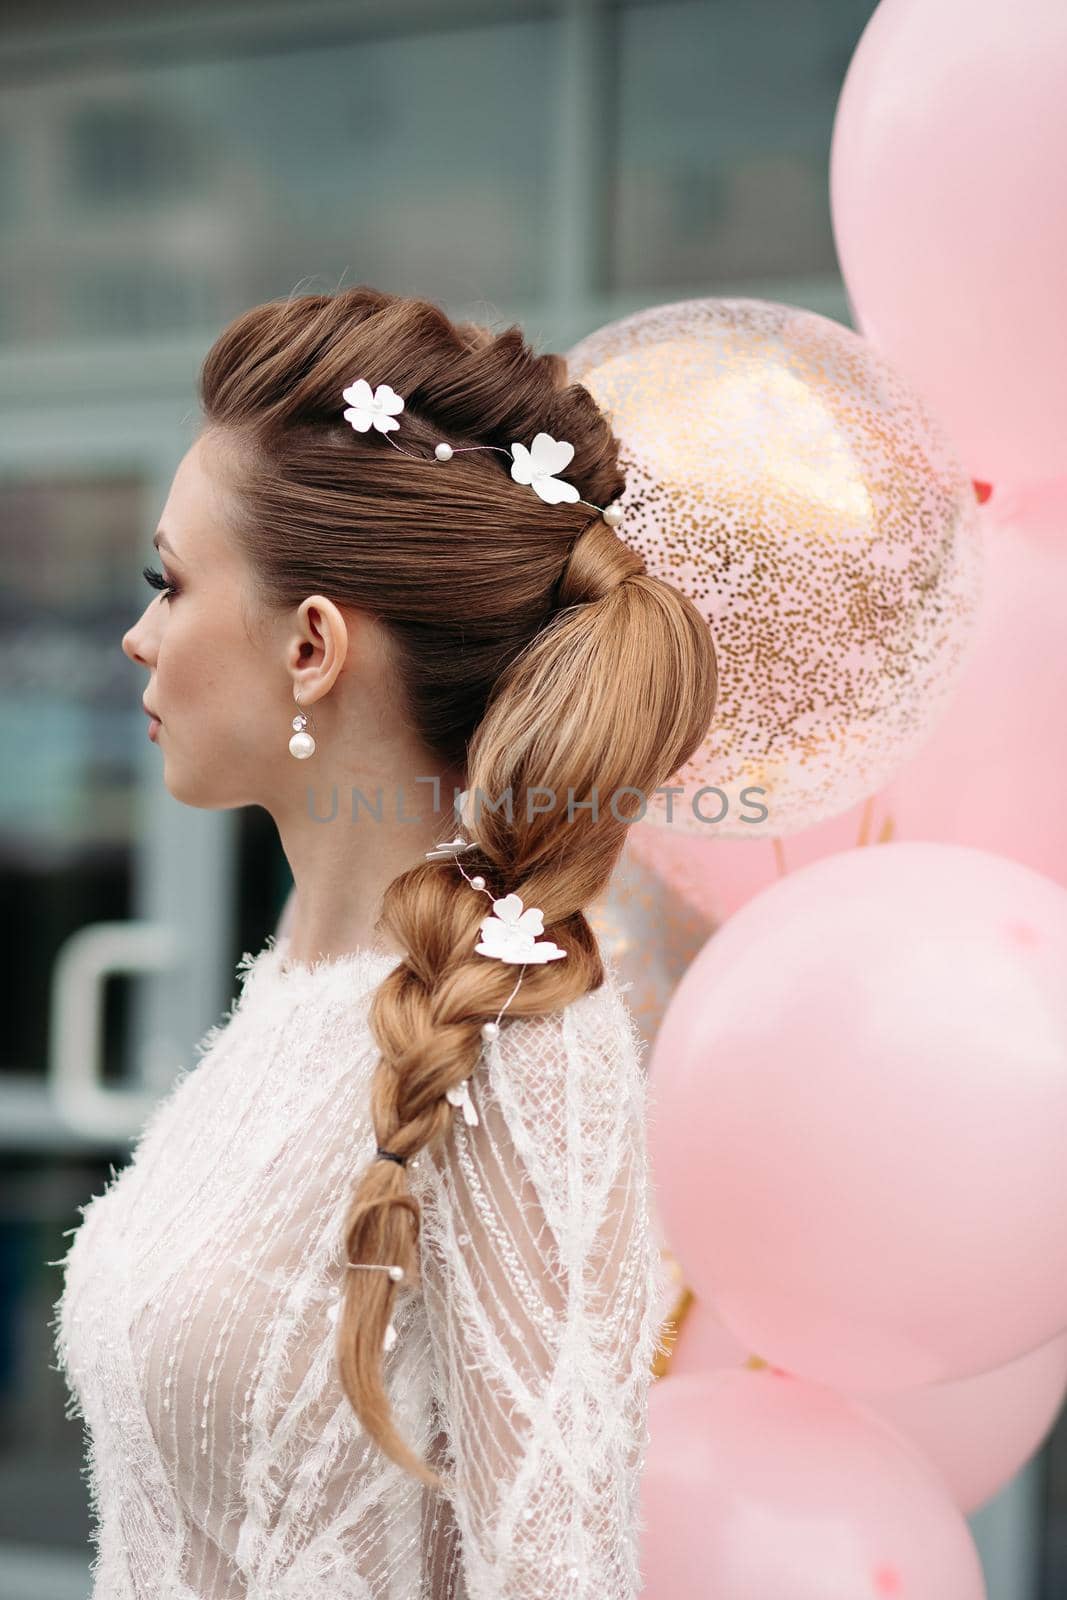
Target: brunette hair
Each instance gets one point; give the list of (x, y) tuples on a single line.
[(533, 650)]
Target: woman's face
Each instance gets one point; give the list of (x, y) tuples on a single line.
[(215, 662)]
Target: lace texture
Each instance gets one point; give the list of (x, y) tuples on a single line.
[(197, 1320)]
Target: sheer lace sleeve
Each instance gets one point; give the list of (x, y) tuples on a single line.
[(542, 1284)]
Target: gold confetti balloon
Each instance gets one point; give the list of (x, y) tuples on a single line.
[(784, 476)]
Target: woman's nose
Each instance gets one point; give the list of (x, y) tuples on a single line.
[(129, 648), (135, 642)]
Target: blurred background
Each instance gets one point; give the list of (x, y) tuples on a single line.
[(560, 163)]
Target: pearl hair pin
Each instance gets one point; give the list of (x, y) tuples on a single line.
[(396, 1273)]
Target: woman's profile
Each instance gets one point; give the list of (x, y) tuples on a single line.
[(371, 1312)]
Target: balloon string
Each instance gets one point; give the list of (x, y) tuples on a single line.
[(865, 820)]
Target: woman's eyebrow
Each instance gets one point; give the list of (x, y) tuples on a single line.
[(162, 542)]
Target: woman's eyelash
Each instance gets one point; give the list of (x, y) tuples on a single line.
[(158, 581)]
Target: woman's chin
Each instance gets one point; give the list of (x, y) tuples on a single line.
[(203, 791), (191, 788)]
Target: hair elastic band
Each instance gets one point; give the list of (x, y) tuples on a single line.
[(388, 1155)]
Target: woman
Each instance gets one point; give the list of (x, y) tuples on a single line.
[(371, 1312)]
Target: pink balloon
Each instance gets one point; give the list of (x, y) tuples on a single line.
[(759, 1487), (946, 183), (861, 1117), (977, 1432), (994, 774)]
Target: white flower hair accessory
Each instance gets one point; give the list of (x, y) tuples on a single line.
[(512, 934), (378, 410), (535, 466)]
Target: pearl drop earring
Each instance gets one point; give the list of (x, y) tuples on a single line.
[(302, 744)]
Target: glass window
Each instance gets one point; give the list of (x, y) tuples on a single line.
[(725, 118), (170, 197)]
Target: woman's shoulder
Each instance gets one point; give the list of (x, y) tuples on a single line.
[(589, 1050), (607, 1007), (601, 1019), (563, 1093)]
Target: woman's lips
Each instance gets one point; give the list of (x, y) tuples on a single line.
[(153, 727)]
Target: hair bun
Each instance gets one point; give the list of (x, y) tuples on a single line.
[(598, 562)]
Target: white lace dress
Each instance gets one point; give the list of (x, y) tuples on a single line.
[(197, 1321)]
